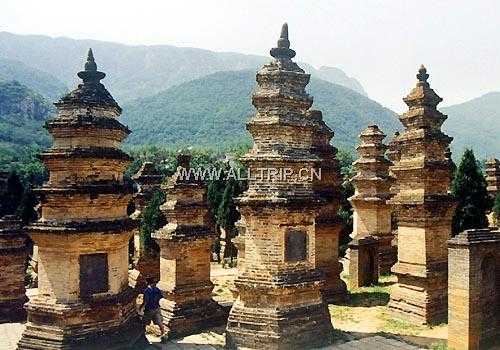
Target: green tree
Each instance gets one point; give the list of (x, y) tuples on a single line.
[(11, 197), (469, 188), (151, 220), (26, 210)]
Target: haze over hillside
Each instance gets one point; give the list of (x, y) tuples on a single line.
[(137, 71), (475, 124), (213, 111)]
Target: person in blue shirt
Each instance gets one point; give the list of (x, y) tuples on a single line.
[(151, 304)]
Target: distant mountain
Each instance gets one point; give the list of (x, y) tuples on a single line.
[(37, 80), (136, 71), (22, 113), (337, 76), (475, 124), (213, 110)]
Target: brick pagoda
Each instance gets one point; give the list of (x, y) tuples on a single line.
[(474, 296), (146, 261), (280, 304), (372, 214), (83, 300), (13, 255), (423, 173), (493, 177), (185, 250)]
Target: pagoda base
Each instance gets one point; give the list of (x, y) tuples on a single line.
[(111, 323), (302, 327), (335, 292), (387, 254), (420, 299), (184, 319), (12, 310), (146, 267)]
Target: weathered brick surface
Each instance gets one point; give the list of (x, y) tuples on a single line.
[(363, 267), (493, 177), (83, 301), (423, 171), (290, 240), (146, 260), (13, 255), (474, 290), (185, 250), (372, 214)]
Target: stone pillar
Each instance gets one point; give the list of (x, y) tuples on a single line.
[(425, 209), (13, 255), (146, 261), (372, 214), (280, 303), (493, 177), (363, 267), (83, 300), (185, 250), (474, 290)]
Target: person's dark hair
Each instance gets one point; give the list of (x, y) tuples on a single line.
[(150, 280)]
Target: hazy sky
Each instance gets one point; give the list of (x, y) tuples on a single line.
[(381, 43)]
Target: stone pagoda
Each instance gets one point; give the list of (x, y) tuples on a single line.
[(493, 177), (185, 250), (13, 255), (146, 261), (372, 214), (425, 208), (279, 288), (83, 300)]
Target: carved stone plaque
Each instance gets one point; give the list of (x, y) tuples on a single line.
[(295, 245), (93, 274)]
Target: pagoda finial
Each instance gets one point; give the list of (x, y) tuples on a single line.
[(90, 65), (90, 74), (283, 41), (283, 50), (422, 74)]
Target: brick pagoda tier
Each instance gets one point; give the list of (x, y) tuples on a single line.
[(493, 177), (372, 214), (280, 304), (146, 261), (13, 255), (83, 300), (185, 251), (327, 222), (425, 209)]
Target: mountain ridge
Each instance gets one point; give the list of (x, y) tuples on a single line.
[(137, 70)]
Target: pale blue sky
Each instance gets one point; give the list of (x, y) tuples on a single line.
[(380, 42)]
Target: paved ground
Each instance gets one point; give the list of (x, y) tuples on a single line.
[(213, 340)]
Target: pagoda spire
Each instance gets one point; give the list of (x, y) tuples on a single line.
[(283, 51), (90, 74), (422, 75)]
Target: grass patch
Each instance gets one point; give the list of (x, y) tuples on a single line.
[(396, 326), (342, 313)]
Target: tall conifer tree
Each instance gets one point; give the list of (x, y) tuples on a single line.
[(469, 188)]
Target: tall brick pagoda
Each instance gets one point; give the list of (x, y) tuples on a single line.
[(493, 177), (185, 250), (425, 208), (280, 304), (83, 300), (146, 259), (13, 255), (327, 223), (372, 214)]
